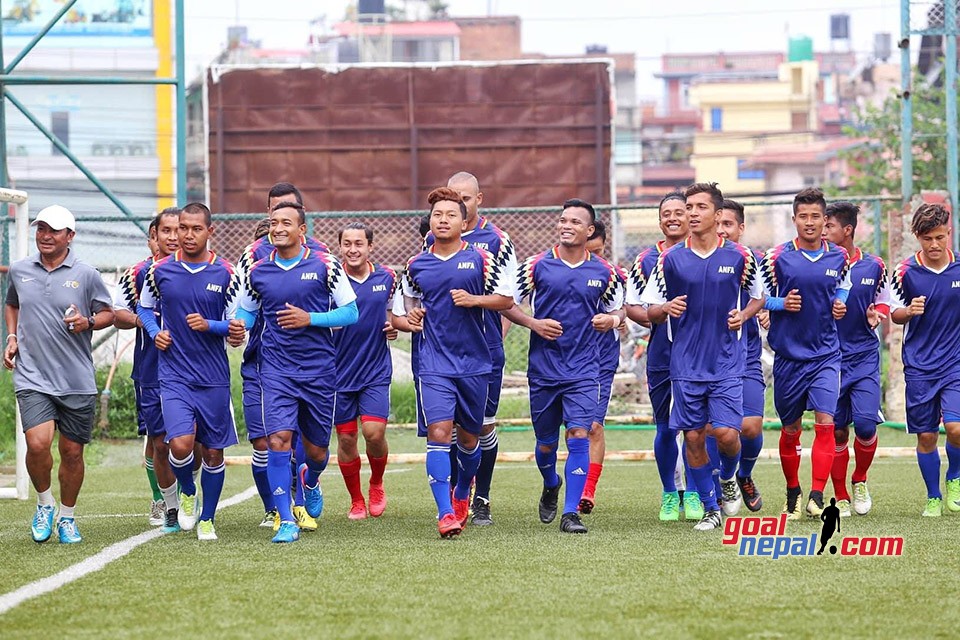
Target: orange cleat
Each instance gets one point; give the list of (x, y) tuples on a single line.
[(449, 526), (587, 501), (461, 509), (378, 500), (358, 510)]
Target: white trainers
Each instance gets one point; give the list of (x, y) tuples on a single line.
[(158, 511), (732, 499), (844, 506), (862, 502), (206, 531), (189, 510), (711, 520)]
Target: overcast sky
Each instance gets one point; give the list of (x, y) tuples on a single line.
[(646, 27)]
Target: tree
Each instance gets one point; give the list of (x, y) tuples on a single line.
[(875, 165)]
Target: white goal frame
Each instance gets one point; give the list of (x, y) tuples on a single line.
[(21, 490)]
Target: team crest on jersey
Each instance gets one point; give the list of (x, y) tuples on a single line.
[(216, 288), (309, 276)]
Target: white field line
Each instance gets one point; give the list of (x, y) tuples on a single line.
[(97, 561)]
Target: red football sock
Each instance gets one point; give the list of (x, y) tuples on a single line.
[(593, 475), (822, 454), (351, 478), (839, 472), (863, 454), (377, 465), (790, 457)]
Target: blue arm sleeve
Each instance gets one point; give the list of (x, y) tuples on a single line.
[(219, 327), (339, 317), (842, 295), (773, 303), (248, 317), (148, 320)]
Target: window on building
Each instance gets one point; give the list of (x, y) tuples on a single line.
[(799, 121), (60, 126), (746, 173), (796, 80), (716, 119)]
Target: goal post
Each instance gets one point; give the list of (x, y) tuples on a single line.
[(21, 490)]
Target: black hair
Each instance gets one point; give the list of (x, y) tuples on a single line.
[(599, 231), (284, 189), (673, 195), (736, 207), (301, 218), (928, 217), (199, 207), (710, 188), (810, 195), (845, 213), (583, 204), (424, 227), (358, 226), (263, 228), (155, 221)]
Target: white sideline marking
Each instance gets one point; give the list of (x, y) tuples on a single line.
[(97, 561)]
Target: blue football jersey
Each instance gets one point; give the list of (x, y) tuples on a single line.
[(750, 336), (658, 347), (571, 294), (868, 276), (704, 349), (211, 289), (363, 354), (931, 342), (315, 283), (810, 333), (126, 296), (454, 341), (490, 237)]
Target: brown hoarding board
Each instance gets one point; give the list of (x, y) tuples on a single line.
[(380, 138)]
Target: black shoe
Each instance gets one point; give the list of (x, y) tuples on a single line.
[(751, 495), (548, 503), (170, 522), (570, 523), (481, 512)]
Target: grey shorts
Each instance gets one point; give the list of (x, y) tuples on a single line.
[(73, 414)]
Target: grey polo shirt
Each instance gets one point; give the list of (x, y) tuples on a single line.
[(51, 359)]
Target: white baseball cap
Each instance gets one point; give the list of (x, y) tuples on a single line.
[(57, 218)]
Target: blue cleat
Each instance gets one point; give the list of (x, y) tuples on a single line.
[(288, 532), (42, 526), (312, 496), (68, 532)]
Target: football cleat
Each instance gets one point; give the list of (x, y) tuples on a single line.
[(449, 526), (670, 507), (750, 493), (157, 513), (312, 496), (571, 523), (68, 532), (268, 518), (548, 502), (304, 519), (710, 520), (287, 532), (189, 509), (461, 509), (481, 512), (934, 508), (692, 506), (815, 504), (358, 510), (953, 494), (792, 506), (731, 498), (206, 531), (378, 500), (844, 506), (862, 502), (42, 525)]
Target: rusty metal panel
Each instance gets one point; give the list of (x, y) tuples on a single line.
[(380, 138)]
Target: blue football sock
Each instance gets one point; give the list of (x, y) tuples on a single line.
[(713, 453), (278, 472), (547, 463), (665, 450), (183, 470), (299, 457), (259, 469), (953, 462), (314, 469), (438, 475), (489, 447), (575, 472), (702, 478), (467, 461), (728, 464), (930, 470), (211, 483), (749, 452)]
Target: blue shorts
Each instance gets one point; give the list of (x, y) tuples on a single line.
[(606, 389), (808, 384), (461, 400), (494, 384), (661, 396), (573, 404), (292, 404), (253, 407), (928, 401), (695, 404), (370, 404), (206, 412), (754, 390), (149, 411), (859, 400)]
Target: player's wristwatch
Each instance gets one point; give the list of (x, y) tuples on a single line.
[(92, 320)]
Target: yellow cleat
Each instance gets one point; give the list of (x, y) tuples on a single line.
[(304, 520)]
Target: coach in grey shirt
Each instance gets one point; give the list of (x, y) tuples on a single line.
[(53, 304)]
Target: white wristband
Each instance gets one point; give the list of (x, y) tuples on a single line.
[(12, 335)]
